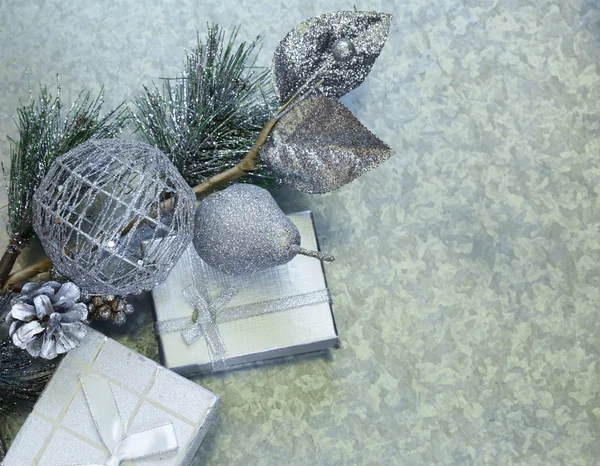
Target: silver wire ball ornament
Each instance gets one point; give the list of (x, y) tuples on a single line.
[(97, 204)]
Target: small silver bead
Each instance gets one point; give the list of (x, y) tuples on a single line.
[(343, 49), (119, 318), (104, 313)]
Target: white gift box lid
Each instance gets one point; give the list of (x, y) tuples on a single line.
[(60, 430), (276, 334)]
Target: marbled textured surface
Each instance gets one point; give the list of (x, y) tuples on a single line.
[(466, 284)]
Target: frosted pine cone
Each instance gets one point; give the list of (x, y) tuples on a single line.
[(46, 319)]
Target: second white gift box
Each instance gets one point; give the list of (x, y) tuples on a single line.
[(105, 404), (233, 320)]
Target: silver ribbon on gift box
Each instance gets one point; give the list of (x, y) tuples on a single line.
[(103, 407), (209, 313)]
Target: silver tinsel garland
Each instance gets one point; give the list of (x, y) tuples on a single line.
[(99, 202)]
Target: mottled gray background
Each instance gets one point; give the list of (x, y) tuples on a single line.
[(466, 284)]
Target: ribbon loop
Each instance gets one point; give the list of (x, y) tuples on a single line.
[(206, 323), (113, 461), (103, 408), (105, 413)]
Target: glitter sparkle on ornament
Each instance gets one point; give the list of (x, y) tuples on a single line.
[(242, 230)]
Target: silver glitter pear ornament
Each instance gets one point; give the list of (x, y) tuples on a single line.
[(46, 319), (96, 205), (319, 146), (242, 229), (338, 48)]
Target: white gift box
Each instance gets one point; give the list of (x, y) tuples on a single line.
[(280, 311), (61, 430)]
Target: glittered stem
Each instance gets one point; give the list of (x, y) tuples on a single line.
[(322, 256)]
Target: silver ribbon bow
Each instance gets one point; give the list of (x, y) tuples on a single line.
[(210, 313), (105, 413), (206, 322)]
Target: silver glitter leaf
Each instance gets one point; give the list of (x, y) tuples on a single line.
[(339, 48), (319, 146)]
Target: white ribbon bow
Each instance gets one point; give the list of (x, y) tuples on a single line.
[(105, 413)]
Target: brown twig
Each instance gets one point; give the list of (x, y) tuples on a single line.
[(245, 166), (43, 265), (7, 262)]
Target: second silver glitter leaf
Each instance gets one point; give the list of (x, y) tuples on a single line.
[(338, 48), (319, 146)]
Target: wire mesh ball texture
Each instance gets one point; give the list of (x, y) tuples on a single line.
[(100, 190)]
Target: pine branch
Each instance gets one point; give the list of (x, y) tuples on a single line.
[(22, 377), (244, 168), (46, 132), (209, 117)]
